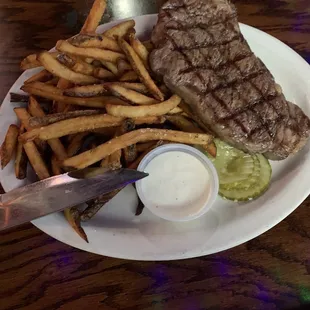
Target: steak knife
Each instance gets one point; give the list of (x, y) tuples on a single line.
[(57, 193)]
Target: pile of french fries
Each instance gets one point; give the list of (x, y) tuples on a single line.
[(95, 102)]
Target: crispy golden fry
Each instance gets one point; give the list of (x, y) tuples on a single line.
[(48, 88), (186, 125), (103, 74), (94, 17), (133, 86), (130, 152), (60, 106), (142, 147), (82, 124), (9, 144), (176, 110), (130, 95), (151, 146), (98, 41), (54, 81), (89, 60), (111, 66), (120, 30), (74, 219), (36, 160), (123, 66), (42, 76), (56, 169), (31, 61), (96, 53), (21, 159), (54, 118), (149, 45), (86, 91), (95, 205), (76, 143), (56, 68), (24, 117), (130, 76), (141, 135), (142, 111), (140, 49), (68, 61), (55, 144), (140, 69), (94, 102), (84, 68)]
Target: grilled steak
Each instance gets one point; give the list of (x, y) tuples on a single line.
[(202, 56)]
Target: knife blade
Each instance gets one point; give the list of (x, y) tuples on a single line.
[(57, 193)]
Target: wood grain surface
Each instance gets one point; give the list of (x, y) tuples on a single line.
[(37, 272)]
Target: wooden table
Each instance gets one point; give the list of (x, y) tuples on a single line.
[(37, 272)]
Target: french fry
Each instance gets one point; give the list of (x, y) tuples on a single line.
[(176, 110), (84, 68), (55, 144), (54, 118), (96, 53), (47, 88), (152, 145), (130, 95), (58, 69), (185, 125), (24, 118), (36, 160), (86, 91), (140, 49), (96, 205), (94, 17), (82, 124), (54, 81), (130, 152), (20, 159), (141, 135), (9, 144), (130, 76), (139, 87), (101, 73), (98, 41), (42, 76), (56, 169), (143, 111), (120, 30), (111, 66), (76, 143), (31, 61), (94, 102), (123, 66), (142, 147), (60, 106), (148, 45), (73, 217), (140, 69)]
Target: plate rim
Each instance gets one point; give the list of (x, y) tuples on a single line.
[(175, 256)]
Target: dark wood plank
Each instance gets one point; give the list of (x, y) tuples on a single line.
[(38, 272)]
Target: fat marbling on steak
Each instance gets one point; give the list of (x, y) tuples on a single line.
[(202, 56)]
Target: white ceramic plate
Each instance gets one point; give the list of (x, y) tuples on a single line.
[(116, 232)]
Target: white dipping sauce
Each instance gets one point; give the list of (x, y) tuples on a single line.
[(178, 183)]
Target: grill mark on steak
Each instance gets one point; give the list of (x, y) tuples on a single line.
[(232, 115), (213, 66)]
